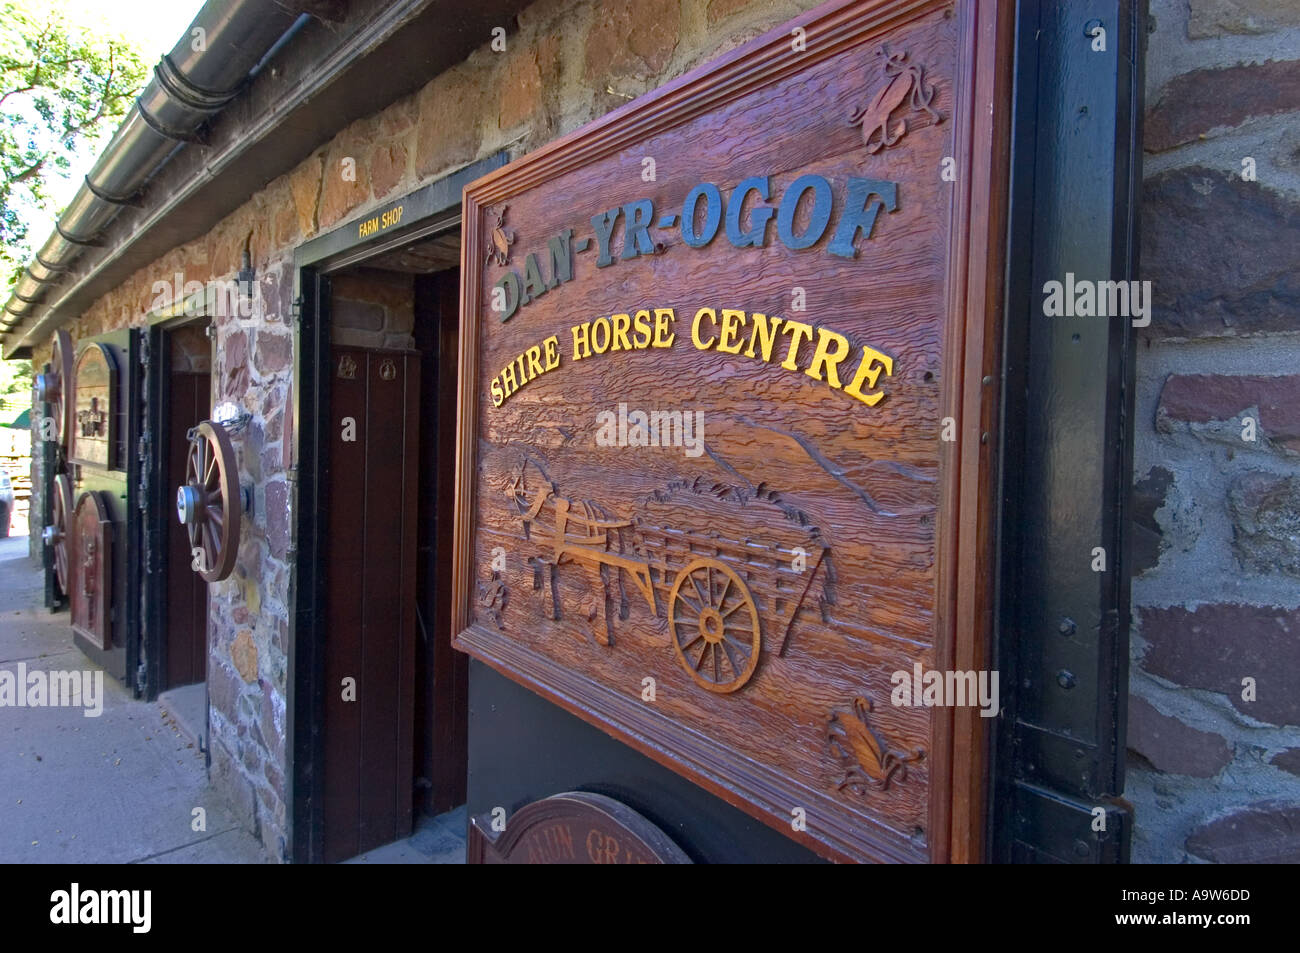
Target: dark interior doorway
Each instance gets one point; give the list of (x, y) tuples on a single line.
[(188, 401), (395, 694)]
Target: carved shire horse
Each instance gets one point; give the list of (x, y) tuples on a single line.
[(574, 531), (908, 82)]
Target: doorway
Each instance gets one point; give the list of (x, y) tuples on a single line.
[(187, 380), (393, 713)]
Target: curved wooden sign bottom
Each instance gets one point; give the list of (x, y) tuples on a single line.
[(571, 828)]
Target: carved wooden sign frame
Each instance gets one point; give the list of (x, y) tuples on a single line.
[(93, 416), (724, 458)]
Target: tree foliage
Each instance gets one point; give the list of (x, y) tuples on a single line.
[(60, 86)]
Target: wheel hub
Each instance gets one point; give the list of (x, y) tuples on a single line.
[(188, 503), (711, 625)]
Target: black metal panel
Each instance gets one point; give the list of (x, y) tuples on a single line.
[(306, 701), (157, 509), (522, 749), (55, 598), (133, 527), (1068, 394)]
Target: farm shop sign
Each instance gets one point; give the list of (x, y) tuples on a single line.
[(702, 216), (380, 222), (801, 274)]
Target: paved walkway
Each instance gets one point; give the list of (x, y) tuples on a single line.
[(118, 788), (122, 787)]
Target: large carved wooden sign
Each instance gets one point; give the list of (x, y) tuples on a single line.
[(722, 486), (93, 419)]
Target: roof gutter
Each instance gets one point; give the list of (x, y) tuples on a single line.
[(189, 87)]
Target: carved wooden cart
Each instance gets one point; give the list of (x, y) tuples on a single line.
[(715, 590)]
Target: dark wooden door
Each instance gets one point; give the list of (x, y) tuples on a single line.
[(441, 700), (369, 634), (187, 596)]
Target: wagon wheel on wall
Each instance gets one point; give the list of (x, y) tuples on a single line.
[(56, 386), (56, 534), (209, 503), (714, 625)]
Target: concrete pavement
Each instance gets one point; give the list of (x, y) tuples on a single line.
[(118, 788)]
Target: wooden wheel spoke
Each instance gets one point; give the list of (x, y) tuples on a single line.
[(722, 599), (686, 645), (703, 652), (731, 659), (217, 515), (717, 673), (695, 581), (210, 542), (733, 608), (685, 600), (743, 645)]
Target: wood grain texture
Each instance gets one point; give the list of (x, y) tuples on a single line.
[(892, 521)]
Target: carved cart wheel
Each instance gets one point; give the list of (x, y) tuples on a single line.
[(56, 534), (714, 625), (208, 504), (56, 387)]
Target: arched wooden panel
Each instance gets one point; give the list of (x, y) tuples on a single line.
[(94, 415), (91, 568)]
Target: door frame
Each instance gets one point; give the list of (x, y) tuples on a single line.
[(1061, 629), (427, 211), (157, 498)]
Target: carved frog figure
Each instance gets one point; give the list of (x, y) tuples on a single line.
[(867, 759), (907, 83)]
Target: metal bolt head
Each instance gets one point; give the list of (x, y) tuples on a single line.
[(1066, 679), (1081, 849), (1067, 627)]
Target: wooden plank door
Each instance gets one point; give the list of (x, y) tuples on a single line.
[(187, 593), (369, 635)]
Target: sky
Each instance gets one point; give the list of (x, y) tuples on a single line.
[(153, 26)]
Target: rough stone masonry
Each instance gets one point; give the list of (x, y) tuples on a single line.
[(1214, 767)]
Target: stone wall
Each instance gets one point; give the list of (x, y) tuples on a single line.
[(567, 63), (373, 309), (1214, 767)]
